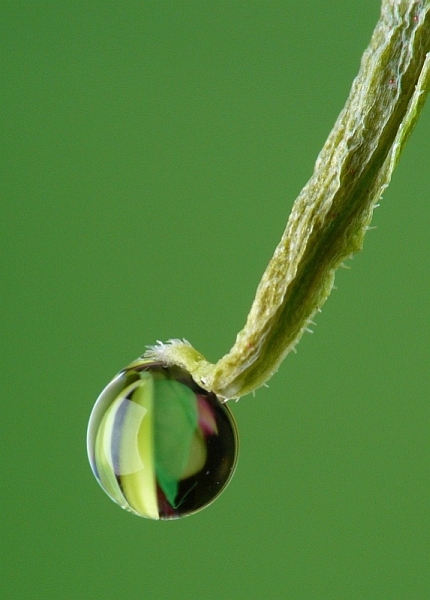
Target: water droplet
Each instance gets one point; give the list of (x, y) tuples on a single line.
[(159, 445)]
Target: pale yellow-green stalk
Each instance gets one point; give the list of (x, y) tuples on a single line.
[(332, 213)]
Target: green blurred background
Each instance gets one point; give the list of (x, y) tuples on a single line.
[(151, 154)]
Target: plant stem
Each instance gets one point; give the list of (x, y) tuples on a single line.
[(332, 213)]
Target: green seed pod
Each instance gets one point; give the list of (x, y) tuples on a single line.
[(158, 444)]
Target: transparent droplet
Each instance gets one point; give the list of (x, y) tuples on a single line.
[(159, 445)]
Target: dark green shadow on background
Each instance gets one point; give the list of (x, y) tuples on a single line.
[(151, 154)]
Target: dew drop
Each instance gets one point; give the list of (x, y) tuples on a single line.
[(159, 445)]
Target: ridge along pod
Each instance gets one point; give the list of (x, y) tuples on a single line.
[(158, 444)]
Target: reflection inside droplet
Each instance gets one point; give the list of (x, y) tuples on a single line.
[(159, 445)]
